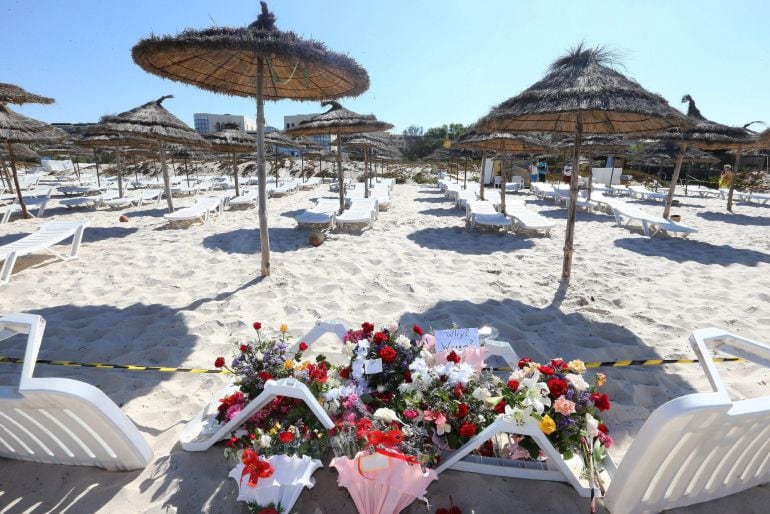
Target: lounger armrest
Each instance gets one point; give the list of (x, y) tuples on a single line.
[(34, 326), (711, 338)]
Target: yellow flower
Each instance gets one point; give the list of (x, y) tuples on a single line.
[(284, 328), (273, 431), (601, 379), (577, 366), (289, 364), (305, 365), (547, 425)]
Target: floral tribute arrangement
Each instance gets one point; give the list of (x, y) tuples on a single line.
[(397, 403)]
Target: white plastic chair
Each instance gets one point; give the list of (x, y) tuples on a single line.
[(49, 234), (62, 421), (197, 212)]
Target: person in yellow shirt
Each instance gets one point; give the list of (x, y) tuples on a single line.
[(726, 177)]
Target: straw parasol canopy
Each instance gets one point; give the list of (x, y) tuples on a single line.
[(339, 121), (153, 122), (256, 61), (503, 143), (12, 94), (232, 140), (709, 135), (664, 153), (583, 93), (21, 153), (366, 143), (16, 128), (118, 143)]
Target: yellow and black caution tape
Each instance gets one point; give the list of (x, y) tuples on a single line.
[(223, 371), (129, 367)]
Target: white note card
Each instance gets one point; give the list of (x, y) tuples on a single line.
[(457, 339), (372, 366)]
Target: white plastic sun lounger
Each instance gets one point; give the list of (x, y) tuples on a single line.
[(199, 211), (49, 234), (703, 192), (323, 213), (149, 195), (245, 201), (361, 214), (651, 224), (309, 183), (62, 421), (526, 219), (482, 212), (36, 200), (759, 198), (7, 211)]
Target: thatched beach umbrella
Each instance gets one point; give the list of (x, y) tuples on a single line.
[(13, 94), (278, 140), (502, 143), (366, 144), (339, 121), (257, 61), (16, 128), (153, 122), (21, 153), (583, 93), (303, 144), (96, 138), (709, 135), (597, 144), (231, 139)]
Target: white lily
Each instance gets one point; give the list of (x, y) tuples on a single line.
[(386, 415), (592, 426), (517, 414), (536, 393), (481, 394)]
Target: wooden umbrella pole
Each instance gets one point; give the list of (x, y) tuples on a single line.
[(481, 175), (674, 179), (16, 182), (166, 180), (96, 163), (732, 179), (302, 163), (572, 207), (235, 174), (366, 172), (120, 173), (340, 173), (264, 238), (590, 172), (275, 164), (6, 176), (187, 172)]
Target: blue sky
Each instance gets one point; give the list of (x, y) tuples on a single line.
[(430, 62)]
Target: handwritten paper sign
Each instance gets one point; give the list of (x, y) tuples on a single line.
[(373, 366), (457, 339)]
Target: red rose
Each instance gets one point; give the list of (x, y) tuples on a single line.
[(231, 442), (264, 375), (302, 346), (458, 392), (220, 362), (245, 348), (388, 354), (558, 364), (417, 329), (344, 372), (257, 325), (601, 401), (462, 410), (408, 377), (367, 327), (557, 387), (500, 407), (513, 385), (384, 397), (487, 449), (253, 436), (603, 428), (380, 338), (468, 429), (523, 362), (286, 437), (453, 357), (546, 370), (267, 510)]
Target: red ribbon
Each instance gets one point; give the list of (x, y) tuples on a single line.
[(378, 439), (255, 467)]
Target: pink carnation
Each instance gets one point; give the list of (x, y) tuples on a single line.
[(563, 406), (411, 413), (233, 411), (605, 439)]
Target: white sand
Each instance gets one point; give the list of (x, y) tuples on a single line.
[(145, 294)]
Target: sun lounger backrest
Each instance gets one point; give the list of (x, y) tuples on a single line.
[(62, 421), (701, 446)]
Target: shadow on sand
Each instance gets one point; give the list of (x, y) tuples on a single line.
[(684, 250), (469, 243), (737, 219), (246, 241)]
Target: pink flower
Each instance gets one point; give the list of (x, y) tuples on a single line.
[(563, 406), (349, 416), (350, 401), (411, 414), (233, 411), (429, 341), (605, 439)]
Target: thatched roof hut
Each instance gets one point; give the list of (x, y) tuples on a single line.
[(17, 128), (710, 135), (12, 94), (22, 153), (664, 153)]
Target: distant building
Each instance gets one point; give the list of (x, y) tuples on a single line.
[(292, 121), (206, 123), (73, 129)]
